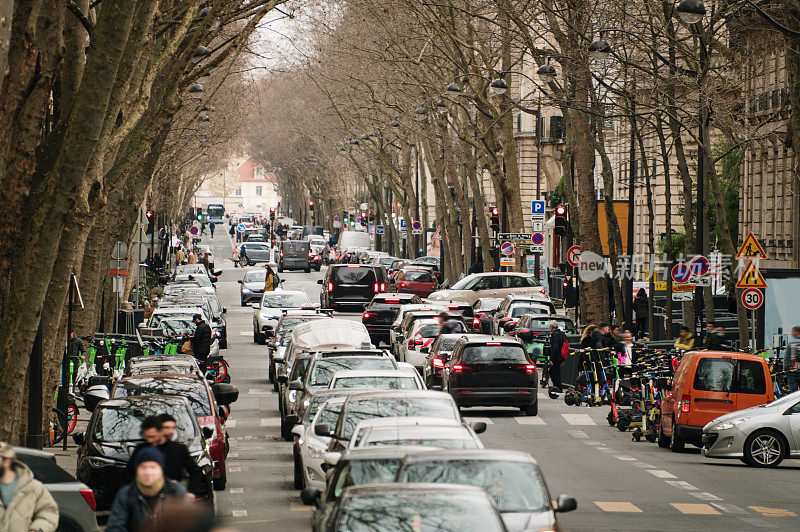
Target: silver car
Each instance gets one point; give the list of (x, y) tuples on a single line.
[(761, 436), (273, 305)]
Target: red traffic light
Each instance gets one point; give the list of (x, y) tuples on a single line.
[(311, 204), (561, 210), (272, 209), (494, 211), (149, 214)]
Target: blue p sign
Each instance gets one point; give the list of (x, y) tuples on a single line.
[(537, 207)]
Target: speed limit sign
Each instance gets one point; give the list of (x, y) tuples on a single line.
[(752, 298)]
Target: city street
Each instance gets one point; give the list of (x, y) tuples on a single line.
[(618, 483)]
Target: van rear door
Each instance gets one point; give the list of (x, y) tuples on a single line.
[(712, 390)]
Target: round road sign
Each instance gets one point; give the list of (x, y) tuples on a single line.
[(358, 220), (699, 265), (416, 224), (507, 248), (573, 255), (752, 298), (336, 218), (193, 230), (681, 273), (537, 238), (241, 228)]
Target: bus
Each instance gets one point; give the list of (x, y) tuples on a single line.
[(216, 212)]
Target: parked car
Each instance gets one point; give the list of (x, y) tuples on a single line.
[(283, 331), (422, 432), (352, 285), (294, 255), (491, 284), (707, 385), (382, 311), (414, 281), (75, 500), (253, 284), (310, 448), (760, 436)]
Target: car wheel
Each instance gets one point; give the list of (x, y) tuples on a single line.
[(219, 483), (532, 410), (255, 337), (764, 448), (298, 473), (286, 433), (676, 444), (308, 270), (663, 441), (271, 373)]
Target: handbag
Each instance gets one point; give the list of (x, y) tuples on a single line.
[(186, 348)]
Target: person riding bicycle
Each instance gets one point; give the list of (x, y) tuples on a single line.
[(201, 339)]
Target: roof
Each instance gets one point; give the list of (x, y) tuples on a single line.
[(474, 338), (729, 354), (388, 451), (247, 171), (473, 454), (413, 488), (329, 332), (345, 373)]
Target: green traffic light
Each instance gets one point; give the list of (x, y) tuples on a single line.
[(352, 224)]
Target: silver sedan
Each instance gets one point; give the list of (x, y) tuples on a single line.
[(761, 436)]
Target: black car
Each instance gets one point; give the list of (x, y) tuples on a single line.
[(114, 431), (440, 351), (491, 371), (381, 313), (352, 285)]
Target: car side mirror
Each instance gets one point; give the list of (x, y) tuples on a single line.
[(240, 281), (564, 503), (224, 310), (478, 427), (208, 433), (509, 326), (323, 429), (217, 272), (319, 281), (311, 496), (213, 280), (79, 438), (256, 306), (225, 393), (332, 458), (299, 430), (296, 385)]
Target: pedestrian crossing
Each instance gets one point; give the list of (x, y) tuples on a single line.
[(687, 508)]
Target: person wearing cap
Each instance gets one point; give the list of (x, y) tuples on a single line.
[(141, 501), (25, 504), (201, 339)]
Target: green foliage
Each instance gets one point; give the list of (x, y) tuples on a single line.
[(557, 196), (730, 159), (678, 242)]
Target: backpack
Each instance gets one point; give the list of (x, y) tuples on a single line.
[(564, 348)]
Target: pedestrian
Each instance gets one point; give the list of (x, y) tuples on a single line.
[(192, 257), (791, 360), (141, 501), (477, 266), (326, 254), (74, 346), (601, 337), (201, 340), (202, 228), (270, 279), (211, 226), (450, 326), (685, 340), (586, 336), (717, 341), (625, 349), (25, 504), (641, 306), (232, 231), (148, 309), (180, 256), (235, 256), (558, 347), (709, 334), (160, 432)]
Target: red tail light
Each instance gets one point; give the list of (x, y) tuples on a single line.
[(391, 301), (437, 363), (452, 307), (317, 257), (368, 315), (330, 287), (493, 343), (375, 288), (310, 254), (476, 324), (686, 403), (459, 368), (88, 496), (414, 342), (402, 284), (529, 368), (383, 287)]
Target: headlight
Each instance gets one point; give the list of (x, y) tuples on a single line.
[(306, 402), (96, 461), (292, 395), (727, 425), (246, 290)]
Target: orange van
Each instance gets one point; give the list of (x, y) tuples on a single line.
[(706, 385)]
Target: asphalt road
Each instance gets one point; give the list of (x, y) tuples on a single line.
[(619, 484)]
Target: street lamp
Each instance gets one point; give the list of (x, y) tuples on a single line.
[(599, 50), (441, 108), (691, 11), (454, 90), (498, 87), (547, 72), (420, 114)]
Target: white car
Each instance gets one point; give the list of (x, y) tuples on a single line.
[(201, 280), (311, 448), (272, 307), (386, 379), (415, 350), (417, 431), (513, 307), (489, 284), (405, 309)]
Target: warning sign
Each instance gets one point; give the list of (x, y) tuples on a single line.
[(751, 277), (751, 249)]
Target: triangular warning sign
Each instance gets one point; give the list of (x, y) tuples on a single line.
[(751, 249), (751, 277)]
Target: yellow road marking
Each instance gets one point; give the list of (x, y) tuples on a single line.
[(695, 509), (773, 512), (618, 507)]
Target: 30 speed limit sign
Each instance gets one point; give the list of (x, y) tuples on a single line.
[(752, 298)]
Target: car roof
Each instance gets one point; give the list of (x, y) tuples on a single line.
[(127, 400), (410, 421), (382, 451), (536, 298), (349, 352), (479, 338), (415, 488), (161, 358), (345, 373), (726, 354), (163, 377), (515, 274), (473, 454)]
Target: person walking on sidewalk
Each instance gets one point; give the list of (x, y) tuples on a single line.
[(211, 226), (558, 341), (25, 504), (685, 341), (641, 308)]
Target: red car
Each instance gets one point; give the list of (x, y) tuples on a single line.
[(415, 281), (204, 400)]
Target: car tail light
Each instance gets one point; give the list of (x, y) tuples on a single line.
[(686, 403), (493, 343), (476, 324), (330, 286), (453, 307), (402, 284), (88, 496), (310, 254), (352, 265), (391, 301), (368, 315), (383, 287), (317, 257), (459, 368), (437, 363), (529, 368), (379, 287), (413, 342)]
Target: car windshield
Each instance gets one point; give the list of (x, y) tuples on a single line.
[(392, 406), (287, 325), (430, 330), (465, 283), (488, 304), (425, 512), (157, 318), (174, 327), (329, 412), (279, 300), (444, 437), (486, 354), (124, 423), (323, 370), (347, 275), (515, 486), (446, 345), (418, 276), (201, 280), (380, 383), (517, 312), (369, 471), (386, 261), (257, 276), (543, 324), (194, 390)]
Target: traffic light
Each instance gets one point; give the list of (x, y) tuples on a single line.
[(279, 206), (494, 218), (562, 227), (151, 222), (272, 214), (311, 205)]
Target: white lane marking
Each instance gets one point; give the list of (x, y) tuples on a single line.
[(756, 522), (233, 456), (682, 484), (237, 490), (704, 496), (255, 391), (530, 420), (625, 458), (577, 433), (484, 419), (239, 513), (271, 422), (245, 333), (234, 469), (644, 466), (231, 423), (593, 443), (578, 419), (729, 508), (660, 473), (605, 449)]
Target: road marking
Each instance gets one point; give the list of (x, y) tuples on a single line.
[(271, 422), (234, 469), (756, 522), (704, 496), (660, 473), (772, 512), (578, 419), (577, 433), (236, 490), (484, 419), (625, 458), (682, 484), (239, 513), (606, 450), (593, 442), (644, 466), (244, 333), (530, 420), (541, 395), (626, 507), (233, 456), (297, 507), (231, 423), (694, 509), (255, 391), (729, 508)]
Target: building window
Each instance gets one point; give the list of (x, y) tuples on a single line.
[(237, 192), (558, 129), (258, 190)]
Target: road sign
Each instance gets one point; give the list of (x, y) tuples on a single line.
[(508, 261), (507, 248), (241, 228), (687, 295), (681, 273), (120, 251), (699, 265), (537, 238), (193, 230), (751, 249), (537, 207), (752, 298), (416, 224), (514, 236), (118, 284), (537, 226), (336, 218), (337, 225), (358, 220), (751, 277), (402, 223), (537, 248), (573, 255), (379, 229)]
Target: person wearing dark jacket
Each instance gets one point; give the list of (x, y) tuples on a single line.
[(141, 501), (641, 308), (557, 341), (176, 455), (201, 340), (602, 337)]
